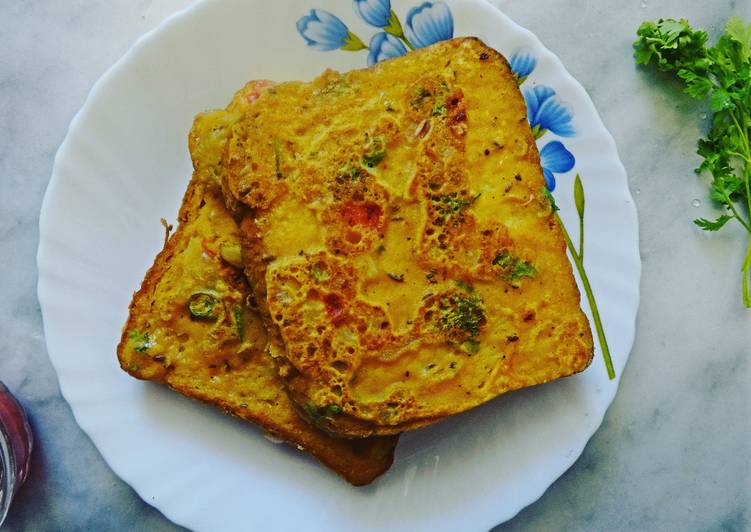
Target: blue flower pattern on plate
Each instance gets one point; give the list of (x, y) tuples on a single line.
[(384, 46), (375, 12), (426, 24), (555, 159), (546, 112), (324, 31), (429, 23), (522, 64)]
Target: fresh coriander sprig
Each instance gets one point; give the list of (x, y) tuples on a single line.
[(578, 258), (722, 73)]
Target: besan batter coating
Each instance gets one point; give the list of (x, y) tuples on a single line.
[(194, 326), (399, 240)]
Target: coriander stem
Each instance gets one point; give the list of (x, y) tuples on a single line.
[(406, 41), (746, 170), (590, 298), (742, 132), (747, 180), (746, 269), (735, 212), (740, 156)]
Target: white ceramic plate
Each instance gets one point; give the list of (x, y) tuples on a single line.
[(124, 164)]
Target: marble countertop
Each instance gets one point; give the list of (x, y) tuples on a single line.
[(674, 450)]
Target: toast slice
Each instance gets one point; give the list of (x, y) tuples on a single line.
[(193, 326), (400, 241)]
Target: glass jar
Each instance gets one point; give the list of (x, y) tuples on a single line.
[(15, 448)]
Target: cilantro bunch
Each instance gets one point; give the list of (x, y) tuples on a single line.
[(723, 74)]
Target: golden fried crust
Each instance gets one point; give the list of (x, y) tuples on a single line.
[(220, 359), (398, 232)]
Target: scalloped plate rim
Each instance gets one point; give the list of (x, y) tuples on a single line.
[(169, 508)]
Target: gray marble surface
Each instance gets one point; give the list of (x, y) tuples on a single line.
[(674, 451)]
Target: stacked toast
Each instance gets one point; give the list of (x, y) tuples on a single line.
[(361, 255)]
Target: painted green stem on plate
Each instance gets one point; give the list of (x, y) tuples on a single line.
[(578, 258), (394, 28), (406, 41), (591, 299), (353, 43), (538, 132)]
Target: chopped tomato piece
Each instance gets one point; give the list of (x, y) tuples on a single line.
[(258, 88), (334, 306), (367, 214)]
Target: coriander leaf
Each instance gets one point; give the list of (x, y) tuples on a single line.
[(471, 346), (741, 33), (723, 74), (141, 341), (720, 99), (332, 410), (464, 285), (375, 153), (237, 315), (513, 268), (318, 273), (371, 160), (725, 186), (670, 44), (674, 29), (713, 225), (522, 269), (696, 86), (462, 313)]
